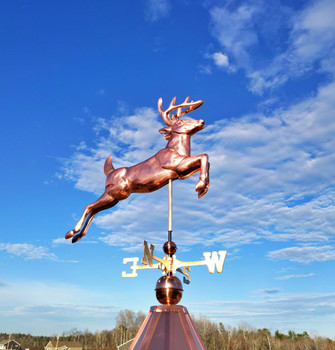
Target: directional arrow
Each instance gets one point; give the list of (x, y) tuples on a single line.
[(171, 264)]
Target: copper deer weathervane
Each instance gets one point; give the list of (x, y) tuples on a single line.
[(171, 163)]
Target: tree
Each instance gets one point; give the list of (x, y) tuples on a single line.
[(291, 334)]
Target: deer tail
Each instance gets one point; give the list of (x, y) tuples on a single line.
[(108, 168)]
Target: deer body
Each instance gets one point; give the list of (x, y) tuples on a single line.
[(173, 162)]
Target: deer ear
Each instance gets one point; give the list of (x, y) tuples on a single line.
[(166, 131)]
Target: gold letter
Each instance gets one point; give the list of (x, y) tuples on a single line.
[(212, 261), (184, 270), (133, 267), (147, 257)]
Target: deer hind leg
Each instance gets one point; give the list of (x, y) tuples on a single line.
[(90, 217), (190, 165), (104, 202)]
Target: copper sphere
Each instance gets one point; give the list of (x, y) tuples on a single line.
[(169, 290), (170, 247)]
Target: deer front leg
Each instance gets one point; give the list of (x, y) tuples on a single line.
[(190, 165)]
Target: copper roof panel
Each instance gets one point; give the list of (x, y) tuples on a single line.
[(168, 327)]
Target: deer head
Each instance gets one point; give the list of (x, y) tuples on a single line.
[(174, 124)]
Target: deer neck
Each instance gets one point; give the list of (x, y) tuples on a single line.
[(180, 143)]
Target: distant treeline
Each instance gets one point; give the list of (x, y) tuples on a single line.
[(215, 336)]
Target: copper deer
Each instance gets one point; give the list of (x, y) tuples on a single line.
[(173, 162)]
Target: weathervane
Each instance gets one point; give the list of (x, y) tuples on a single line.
[(167, 326), (170, 264), (168, 288)]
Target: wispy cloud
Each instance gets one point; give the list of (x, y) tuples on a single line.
[(156, 9), (310, 39), (61, 240), (32, 252), (304, 254), (28, 251), (271, 177), (268, 291), (128, 139), (205, 69), (281, 312), (235, 30), (43, 309), (287, 277)]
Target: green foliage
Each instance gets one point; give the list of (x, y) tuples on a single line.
[(280, 336)]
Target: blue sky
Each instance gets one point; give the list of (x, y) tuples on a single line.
[(80, 80)]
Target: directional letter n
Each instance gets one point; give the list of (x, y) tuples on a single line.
[(147, 256)]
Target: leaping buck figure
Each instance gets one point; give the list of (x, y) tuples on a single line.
[(173, 162)]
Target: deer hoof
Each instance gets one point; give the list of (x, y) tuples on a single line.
[(201, 187), (69, 234), (202, 192), (76, 238)]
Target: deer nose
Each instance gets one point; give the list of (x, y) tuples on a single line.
[(202, 122)]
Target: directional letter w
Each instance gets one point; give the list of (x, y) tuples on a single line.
[(212, 260)]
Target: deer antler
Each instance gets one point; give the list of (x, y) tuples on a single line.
[(170, 119)]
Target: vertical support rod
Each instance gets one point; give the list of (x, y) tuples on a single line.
[(170, 212), (170, 218)]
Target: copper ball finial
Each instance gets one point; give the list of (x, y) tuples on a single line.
[(170, 247), (169, 290)]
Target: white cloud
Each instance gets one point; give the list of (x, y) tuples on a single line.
[(252, 33), (271, 178), (27, 251), (235, 29), (32, 252), (61, 240), (157, 9), (205, 69), (220, 59), (314, 31), (304, 254), (287, 277), (40, 309), (129, 138), (280, 311)]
